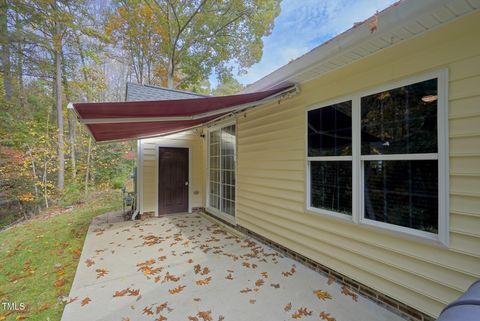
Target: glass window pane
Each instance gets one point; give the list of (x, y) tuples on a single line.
[(400, 121), (330, 130), (331, 186), (403, 193)]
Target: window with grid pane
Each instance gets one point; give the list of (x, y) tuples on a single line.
[(222, 170), (375, 158)]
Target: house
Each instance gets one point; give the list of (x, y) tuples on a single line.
[(367, 168)]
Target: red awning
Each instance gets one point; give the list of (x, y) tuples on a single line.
[(140, 119)]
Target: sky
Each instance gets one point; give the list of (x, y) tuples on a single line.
[(303, 25)]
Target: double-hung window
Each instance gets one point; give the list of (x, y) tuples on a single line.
[(222, 169), (379, 158)]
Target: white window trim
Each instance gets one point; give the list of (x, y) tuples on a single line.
[(357, 216), (218, 213)]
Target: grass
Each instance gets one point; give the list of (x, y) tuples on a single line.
[(38, 259)]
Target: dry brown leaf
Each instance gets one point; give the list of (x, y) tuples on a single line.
[(101, 273), (190, 318), (275, 285), (121, 292), (58, 283), (322, 295), (133, 292), (259, 282), (86, 301), (326, 316), (72, 300), (205, 271), (147, 311), (197, 268), (197, 299), (89, 262), (162, 307), (229, 276), (178, 289), (171, 277), (331, 279), (301, 312), (205, 281), (205, 315), (252, 301), (347, 292), (161, 318), (288, 307), (43, 307), (264, 274), (221, 318), (246, 290)]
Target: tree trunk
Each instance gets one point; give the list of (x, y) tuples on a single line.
[(71, 123), (19, 71), (58, 93), (170, 73), (87, 170), (5, 54)]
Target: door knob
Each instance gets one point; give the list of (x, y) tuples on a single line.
[(186, 183)]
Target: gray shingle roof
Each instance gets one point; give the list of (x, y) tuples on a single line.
[(136, 92)]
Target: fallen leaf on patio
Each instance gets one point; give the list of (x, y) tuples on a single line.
[(204, 281), (133, 292), (162, 307), (72, 300), (259, 282), (120, 293), (275, 285), (161, 258), (197, 299), (190, 261), (229, 276), (149, 262), (221, 318), (301, 312), (171, 277), (246, 290), (205, 271), (205, 315), (288, 307), (157, 279), (161, 318), (197, 268), (190, 318), (86, 301), (326, 316), (246, 264), (264, 274), (347, 292), (322, 295), (125, 319), (254, 266), (58, 283), (252, 301), (147, 311), (178, 289), (101, 273), (89, 262), (331, 279)]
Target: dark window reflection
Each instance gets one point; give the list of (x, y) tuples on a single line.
[(403, 193), (331, 186), (400, 121), (330, 130)]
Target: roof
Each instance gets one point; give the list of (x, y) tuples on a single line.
[(401, 21), (137, 92)]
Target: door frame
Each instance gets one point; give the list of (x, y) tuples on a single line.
[(157, 169)]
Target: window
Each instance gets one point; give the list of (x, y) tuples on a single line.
[(221, 186), (375, 158)]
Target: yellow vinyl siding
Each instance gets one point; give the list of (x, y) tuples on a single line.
[(271, 175), (149, 170)]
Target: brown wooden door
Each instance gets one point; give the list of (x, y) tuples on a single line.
[(172, 180)]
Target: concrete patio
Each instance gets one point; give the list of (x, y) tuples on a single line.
[(184, 267)]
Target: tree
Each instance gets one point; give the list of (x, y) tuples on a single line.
[(227, 86), (193, 37)]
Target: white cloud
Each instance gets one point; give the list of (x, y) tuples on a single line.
[(303, 25)]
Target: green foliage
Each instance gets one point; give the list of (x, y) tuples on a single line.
[(29, 253), (179, 44), (227, 86)]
